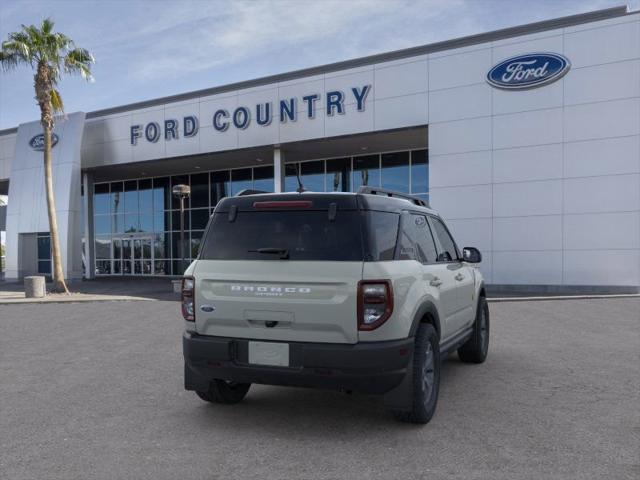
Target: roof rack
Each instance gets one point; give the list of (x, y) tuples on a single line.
[(390, 193), (248, 191)]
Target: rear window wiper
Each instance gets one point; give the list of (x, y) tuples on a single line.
[(283, 252)]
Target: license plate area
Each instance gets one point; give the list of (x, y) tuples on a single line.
[(269, 353)]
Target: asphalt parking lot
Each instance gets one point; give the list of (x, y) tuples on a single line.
[(94, 390)]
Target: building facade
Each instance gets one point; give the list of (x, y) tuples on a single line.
[(526, 140)]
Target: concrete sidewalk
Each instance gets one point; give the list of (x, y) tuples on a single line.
[(104, 289)]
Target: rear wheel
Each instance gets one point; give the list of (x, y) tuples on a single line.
[(476, 348), (426, 377), (222, 391)]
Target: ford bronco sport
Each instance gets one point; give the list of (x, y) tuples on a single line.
[(363, 292)]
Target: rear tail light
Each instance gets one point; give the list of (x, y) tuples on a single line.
[(375, 303), (188, 294)]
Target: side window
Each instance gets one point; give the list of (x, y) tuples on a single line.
[(448, 251), (416, 242)]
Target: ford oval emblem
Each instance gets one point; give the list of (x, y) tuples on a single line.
[(207, 308), (37, 142), (528, 71)]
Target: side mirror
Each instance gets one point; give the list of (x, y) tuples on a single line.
[(471, 255)]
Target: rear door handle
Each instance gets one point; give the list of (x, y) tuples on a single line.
[(436, 282), (459, 277)]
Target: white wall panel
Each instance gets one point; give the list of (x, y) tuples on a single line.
[(212, 140), (345, 82), (460, 136), (302, 129), (531, 268), (351, 122), (527, 128), (398, 112), (616, 193), (540, 162), (470, 168), (403, 79), (602, 82), (608, 156), (601, 120), (602, 231), (117, 152), (117, 127), (456, 70), (549, 96), (471, 232), (527, 233), (459, 103), (527, 198), (603, 45), (462, 202), (602, 267)]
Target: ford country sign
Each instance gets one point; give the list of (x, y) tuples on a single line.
[(37, 142), (528, 71)]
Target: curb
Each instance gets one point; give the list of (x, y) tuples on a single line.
[(45, 300)]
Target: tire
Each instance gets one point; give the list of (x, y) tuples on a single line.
[(426, 377), (221, 391), (475, 349)]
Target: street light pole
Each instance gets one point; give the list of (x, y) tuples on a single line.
[(182, 192)]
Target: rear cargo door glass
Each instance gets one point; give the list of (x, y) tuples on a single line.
[(303, 235)]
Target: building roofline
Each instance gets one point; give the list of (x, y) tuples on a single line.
[(494, 35)]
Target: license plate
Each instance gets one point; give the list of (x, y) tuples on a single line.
[(269, 353)]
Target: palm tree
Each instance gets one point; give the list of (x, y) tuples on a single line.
[(50, 55)]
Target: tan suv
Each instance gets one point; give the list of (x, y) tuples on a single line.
[(361, 292)]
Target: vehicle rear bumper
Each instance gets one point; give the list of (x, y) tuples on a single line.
[(372, 367)]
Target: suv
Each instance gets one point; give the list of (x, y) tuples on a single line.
[(362, 292)]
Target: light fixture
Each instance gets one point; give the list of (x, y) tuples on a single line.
[(197, 167), (259, 160), (364, 148)]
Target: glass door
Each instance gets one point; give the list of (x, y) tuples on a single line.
[(132, 256), (142, 256)]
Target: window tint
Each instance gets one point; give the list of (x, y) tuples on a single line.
[(448, 251), (382, 233), (416, 241), (305, 235)]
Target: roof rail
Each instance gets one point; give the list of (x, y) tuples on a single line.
[(248, 191), (390, 193)]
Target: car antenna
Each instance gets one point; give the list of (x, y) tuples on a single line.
[(300, 186)]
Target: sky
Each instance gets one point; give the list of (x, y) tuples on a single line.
[(150, 49)]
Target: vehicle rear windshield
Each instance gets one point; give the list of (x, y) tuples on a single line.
[(293, 235)]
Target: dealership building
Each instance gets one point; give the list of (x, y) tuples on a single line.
[(526, 140)]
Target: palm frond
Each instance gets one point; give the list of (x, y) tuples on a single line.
[(56, 101), (79, 61)]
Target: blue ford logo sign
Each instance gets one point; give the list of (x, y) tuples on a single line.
[(37, 142), (528, 71)]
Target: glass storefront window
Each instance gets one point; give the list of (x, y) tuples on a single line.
[(312, 175), (395, 171), (290, 177), (263, 178), (101, 199), (102, 224), (103, 247), (200, 190), (131, 223), (146, 222), (161, 194), (131, 203), (145, 195), (338, 175), (241, 179), (219, 186), (175, 220), (419, 171), (366, 171), (161, 221), (117, 197)]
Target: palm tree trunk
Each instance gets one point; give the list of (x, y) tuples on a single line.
[(59, 284)]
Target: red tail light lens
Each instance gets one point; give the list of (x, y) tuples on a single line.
[(187, 300), (283, 204), (375, 303)]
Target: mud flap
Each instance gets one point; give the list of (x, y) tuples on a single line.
[(401, 397), (193, 381)]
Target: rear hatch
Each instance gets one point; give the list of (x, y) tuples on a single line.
[(281, 267)]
